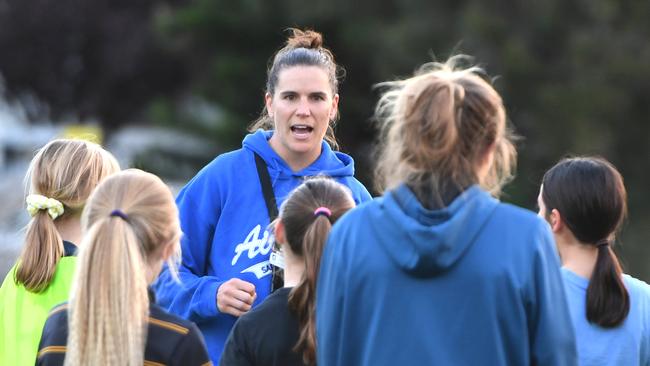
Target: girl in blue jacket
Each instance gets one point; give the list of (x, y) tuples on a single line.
[(226, 208), (584, 201), (437, 271)]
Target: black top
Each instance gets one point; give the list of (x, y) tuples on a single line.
[(69, 249), (264, 336), (170, 339)]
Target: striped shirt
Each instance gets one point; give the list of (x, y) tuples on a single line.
[(170, 340)]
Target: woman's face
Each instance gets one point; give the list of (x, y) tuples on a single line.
[(301, 107)]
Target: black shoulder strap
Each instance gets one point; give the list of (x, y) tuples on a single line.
[(277, 279), (267, 187)]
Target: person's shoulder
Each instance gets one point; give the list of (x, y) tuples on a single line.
[(360, 212), (274, 305), (56, 321), (57, 315), (8, 281), (518, 219), (230, 159), (173, 339), (359, 191), (638, 288), (217, 173), (169, 323), (522, 215)]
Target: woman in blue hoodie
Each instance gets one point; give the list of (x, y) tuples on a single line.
[(584, 201), (226, 208), (437, 271)]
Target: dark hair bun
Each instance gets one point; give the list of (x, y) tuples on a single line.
[(304, 39)]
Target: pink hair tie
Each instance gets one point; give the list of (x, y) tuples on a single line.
[(323, 211)]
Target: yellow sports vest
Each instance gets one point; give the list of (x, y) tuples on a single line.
[(23, 313)]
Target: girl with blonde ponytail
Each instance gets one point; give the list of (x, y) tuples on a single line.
[(131, 227), (282, 330), (61, 177)]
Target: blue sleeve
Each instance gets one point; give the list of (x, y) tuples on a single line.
[(194, 298), (330, 291), (552, 339)]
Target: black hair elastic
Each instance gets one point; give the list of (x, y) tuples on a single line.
[(120, 214)]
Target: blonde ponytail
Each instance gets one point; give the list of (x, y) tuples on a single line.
[(66, 171), (42, 251), (109, 311), (128, 221)]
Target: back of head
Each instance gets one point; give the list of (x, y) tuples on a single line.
[(591, 198), (303, 48), (437, 127), (65, 172), (128, 222), (308, 215)]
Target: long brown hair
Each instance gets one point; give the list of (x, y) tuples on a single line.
[(590, 195), (67, 171), (128, 222), (437, 126), (303, 48), (306, 233)]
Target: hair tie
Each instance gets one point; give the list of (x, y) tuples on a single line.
[(602, 243), (120, 214), (37, 202), (323, 211)]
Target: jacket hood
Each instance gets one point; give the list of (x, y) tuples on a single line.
[(330, 163), (426, 242)]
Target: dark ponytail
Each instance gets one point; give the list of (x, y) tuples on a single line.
[(608, 302), (302, 298), (590, 195), (308, 215)]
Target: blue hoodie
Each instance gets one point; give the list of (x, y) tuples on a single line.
[(475, 283), (224, 219)]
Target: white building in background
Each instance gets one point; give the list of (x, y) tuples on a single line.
[(19, 141)]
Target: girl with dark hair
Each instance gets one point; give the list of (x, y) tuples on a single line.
[(225, 208), (584, 201), (282, 330), (437, 271)]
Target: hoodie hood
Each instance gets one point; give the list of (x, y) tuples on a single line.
[(426, 242), (330, 163)]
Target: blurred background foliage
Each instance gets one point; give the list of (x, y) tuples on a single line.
[(574, 74)]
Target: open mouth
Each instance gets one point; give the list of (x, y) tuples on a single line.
[(301, 129)]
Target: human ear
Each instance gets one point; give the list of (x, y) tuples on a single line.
[(268, 102), (555, 219), (335, 107), (168, 250), (280, 236)]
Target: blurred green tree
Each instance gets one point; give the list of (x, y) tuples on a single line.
[(575, 74)]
